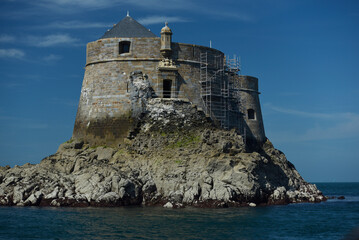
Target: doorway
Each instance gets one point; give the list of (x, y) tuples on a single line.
[(167, 85)]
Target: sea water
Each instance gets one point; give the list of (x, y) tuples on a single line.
[(333, 219)]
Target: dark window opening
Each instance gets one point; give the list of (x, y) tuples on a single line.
[(251, 114), (167, 85), (124, 47)]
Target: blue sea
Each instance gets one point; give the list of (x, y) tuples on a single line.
[(333, 219)]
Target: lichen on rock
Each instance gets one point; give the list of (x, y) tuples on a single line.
[(175, 157)]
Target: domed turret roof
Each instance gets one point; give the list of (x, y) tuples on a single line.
[(128, 27), (166, 29)]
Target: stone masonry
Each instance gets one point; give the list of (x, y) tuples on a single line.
[(105, 114)]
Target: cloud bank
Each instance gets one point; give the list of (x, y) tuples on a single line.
[(52, 40), (12, 53), (333, 125), (160, 19)]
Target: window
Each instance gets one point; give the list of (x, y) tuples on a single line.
[(124, 47), (251, 114), (167, 85)]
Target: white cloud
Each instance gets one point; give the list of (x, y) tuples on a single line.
[(12, 53), (75, 25), (226, 14), (333, 125), (4, 38), (346, 128), (52, 40), (77, 3), (22, 122), (69, 7), (52, 58), (13, 85), (160, 19), (308, 114), (163, 5), (8, 118), (73, 5)]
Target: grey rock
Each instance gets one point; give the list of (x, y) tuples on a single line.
[(175, 156), (104, 153), (18, 193), (149, 187), (34, 198), (177, 196), (168, 205), (110, 197)]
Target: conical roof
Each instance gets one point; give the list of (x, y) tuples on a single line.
[(128, 27), (166, 29)]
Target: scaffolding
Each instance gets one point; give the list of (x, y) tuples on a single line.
[(233, 69), (214, 88), (233, 64), (220, 91)]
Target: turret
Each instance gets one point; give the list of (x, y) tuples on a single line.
[(251, 108), (166, 39), (168, 72)]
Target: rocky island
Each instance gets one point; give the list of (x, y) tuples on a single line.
[(160, 123)]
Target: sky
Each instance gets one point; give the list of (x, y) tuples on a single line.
[(304, 52)]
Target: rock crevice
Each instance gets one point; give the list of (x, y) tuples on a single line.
[(176, 158)]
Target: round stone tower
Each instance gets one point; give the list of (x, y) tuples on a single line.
[(104, 115), (251, 108), (129, 54)]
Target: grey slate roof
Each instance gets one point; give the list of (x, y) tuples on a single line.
[(128, 27)]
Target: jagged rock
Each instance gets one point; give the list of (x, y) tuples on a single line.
[(109, 198), (104, 154), (168, 205), (175, 156), (34, 198)]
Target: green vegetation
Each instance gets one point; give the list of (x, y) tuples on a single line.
[(121, 151), (185, 141), (96, 146)]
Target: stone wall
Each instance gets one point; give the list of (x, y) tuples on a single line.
[(104, 114), (249, 99), (145, 55)]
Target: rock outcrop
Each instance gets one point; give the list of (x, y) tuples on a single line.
[(174, 157)]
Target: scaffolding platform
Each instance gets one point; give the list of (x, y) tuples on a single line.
[(220, 97)]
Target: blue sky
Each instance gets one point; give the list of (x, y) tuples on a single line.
[(304, 52)]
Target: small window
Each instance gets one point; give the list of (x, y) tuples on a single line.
[(251, 114), (167, 85), (124, 47)]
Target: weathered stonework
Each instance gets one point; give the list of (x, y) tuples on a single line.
[(105, 113), (249, 99), (160, 123)]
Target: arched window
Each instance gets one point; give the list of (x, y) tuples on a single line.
[(251, 114), (167, 85), (124, 47)]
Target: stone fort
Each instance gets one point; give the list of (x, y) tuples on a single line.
[(199, 75)]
